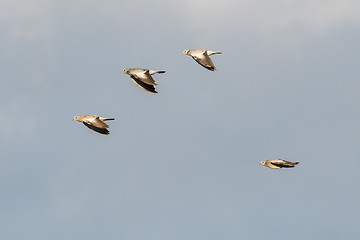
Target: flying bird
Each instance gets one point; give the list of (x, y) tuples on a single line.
[(143, 78), (202, 56), (94, 122), (278, 163)]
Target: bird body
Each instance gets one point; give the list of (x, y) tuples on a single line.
[(143, 78), (202, 56), (278, 163), (94, 122)]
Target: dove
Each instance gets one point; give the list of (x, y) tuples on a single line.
[(278, 163), (202, 56), (94, 122), (142, 78)]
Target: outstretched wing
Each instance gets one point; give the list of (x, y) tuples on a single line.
[(96, 122), (282, 163), (270, 165), (143, 85), (97, 129), (144, 75), (204, 60)]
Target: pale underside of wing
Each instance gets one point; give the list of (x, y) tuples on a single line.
[(145, 77), (143, 85), (268, 164), (205, 61), (96, 122)]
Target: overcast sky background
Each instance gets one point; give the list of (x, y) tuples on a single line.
[(181, 164)]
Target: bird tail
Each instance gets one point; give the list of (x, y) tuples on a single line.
[(106, 119), (212, 53), (155, 72), (296, 163)]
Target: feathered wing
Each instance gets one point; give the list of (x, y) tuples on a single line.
[(204, 60), (98, 123), (269, 165), (283, 163), (97, 129), (143, 85), (145, 77)]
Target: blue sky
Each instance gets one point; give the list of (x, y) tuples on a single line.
[(181, 164)]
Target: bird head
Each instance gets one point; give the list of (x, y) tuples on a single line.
[(262, 163), (76, 118), (186, 52), (126, 70)]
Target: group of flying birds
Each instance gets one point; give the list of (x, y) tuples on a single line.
[(143, 78)]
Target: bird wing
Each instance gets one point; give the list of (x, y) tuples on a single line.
[(143, 85), (204, 60), (281, 163), (145, 77), (97, 129), (96, 122), (270, 165)]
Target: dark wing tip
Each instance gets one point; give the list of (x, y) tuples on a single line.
[(283, 165), (277, 165), (96, 129), (146, 87), (209, 68)]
